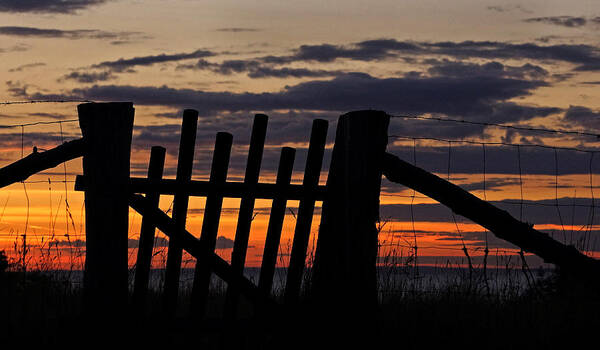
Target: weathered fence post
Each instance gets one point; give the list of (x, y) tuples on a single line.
[(346, 255), (106, 130)]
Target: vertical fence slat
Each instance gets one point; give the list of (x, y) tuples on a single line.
[(240, 245), (210, 223), (147, 230), (312, 171), (180, 205), (277, 215)]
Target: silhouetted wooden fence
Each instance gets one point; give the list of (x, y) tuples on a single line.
[(346, 253)]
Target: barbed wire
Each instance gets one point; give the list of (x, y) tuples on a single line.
[(525, 203), (505, 126), (495, 143), (37, 123), (44, 101)]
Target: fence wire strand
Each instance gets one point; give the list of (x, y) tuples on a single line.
[(504, 126)]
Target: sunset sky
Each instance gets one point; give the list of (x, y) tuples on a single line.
[(528, 63)]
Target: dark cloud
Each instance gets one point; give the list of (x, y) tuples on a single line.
[(508, 8), (26, 66), (363, 51), (473, 98), (494, 69), (267, 72), (88, 77), (224, 243), (78, 243), (30, 139), (124, 64), (158, 242), (573, 211), (499, 159), (582, 116), (492, 185), (32, 32), (586, 57), (577, 54), (47, 6), (588, 67), (563, 21), (467, 96), (237, 30), (122, 42), (370, 50), (258, 69)]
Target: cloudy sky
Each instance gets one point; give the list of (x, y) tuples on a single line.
[(527, 63)]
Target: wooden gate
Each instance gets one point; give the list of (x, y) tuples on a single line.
[(107, 183)]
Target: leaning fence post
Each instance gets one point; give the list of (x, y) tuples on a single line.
[(346, 254), (107, 130)]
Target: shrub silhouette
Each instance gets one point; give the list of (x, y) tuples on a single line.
[(3, 261)]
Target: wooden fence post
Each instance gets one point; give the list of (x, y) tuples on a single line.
[(345, 261), (107, 130)]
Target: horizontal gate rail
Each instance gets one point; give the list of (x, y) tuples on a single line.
[(202, 188)]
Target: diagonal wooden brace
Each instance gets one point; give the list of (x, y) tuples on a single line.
[(195, 248), (498, 221)]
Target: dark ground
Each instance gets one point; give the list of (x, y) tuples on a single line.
[(38, 310)]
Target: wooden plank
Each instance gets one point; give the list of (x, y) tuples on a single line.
[(210, 225), (277, 215), (40, 161), (185, 161), (107, 130), (242, 232), (147, 230), (500, 222), (306, 209), (201, 188), (345, 273), (196, 248)]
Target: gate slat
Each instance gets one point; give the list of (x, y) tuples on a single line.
[(180, 205), (210, 224), (277, 215), (147, 230), (316, 149), (240, 245)]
